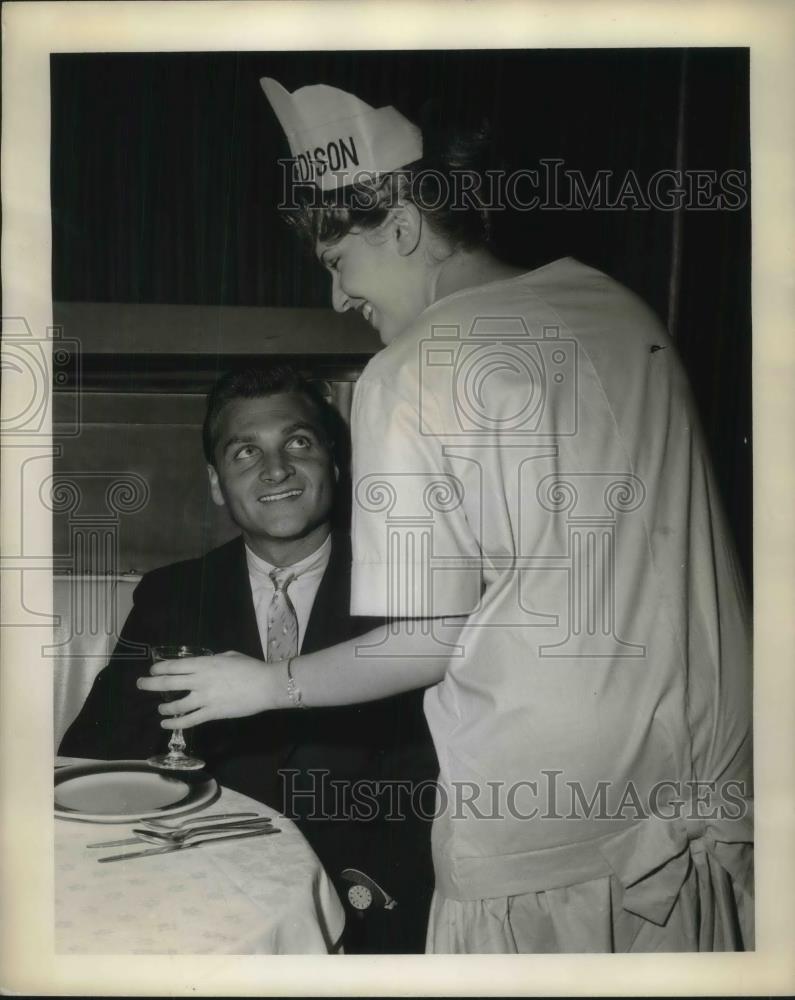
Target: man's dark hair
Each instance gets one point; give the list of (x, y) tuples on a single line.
[(255, 383)]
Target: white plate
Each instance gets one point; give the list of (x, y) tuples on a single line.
[(117, 791)]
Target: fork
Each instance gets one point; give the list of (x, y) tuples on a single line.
[(171, 848), (162, 824), (177, 836)]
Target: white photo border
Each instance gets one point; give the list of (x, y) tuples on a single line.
[(31, 31)]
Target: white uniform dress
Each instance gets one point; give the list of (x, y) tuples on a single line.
[(528, 453)]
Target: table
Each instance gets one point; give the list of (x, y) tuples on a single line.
[(264, 895)]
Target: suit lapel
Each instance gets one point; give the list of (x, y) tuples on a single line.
[(329, 619), (228, 617)]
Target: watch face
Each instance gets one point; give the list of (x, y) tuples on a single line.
[(360, 896)]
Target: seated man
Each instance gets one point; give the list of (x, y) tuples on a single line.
[(270, 441)]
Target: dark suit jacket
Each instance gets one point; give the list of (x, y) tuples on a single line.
[(208, 602)]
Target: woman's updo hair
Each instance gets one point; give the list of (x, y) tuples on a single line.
[(448, 186)]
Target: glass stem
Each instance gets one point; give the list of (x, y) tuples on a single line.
[(177, 745)]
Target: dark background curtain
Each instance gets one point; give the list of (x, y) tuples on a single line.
[(164, 182)]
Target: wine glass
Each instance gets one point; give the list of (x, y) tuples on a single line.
[(176, 759)]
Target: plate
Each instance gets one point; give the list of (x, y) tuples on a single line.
[(117, 791)]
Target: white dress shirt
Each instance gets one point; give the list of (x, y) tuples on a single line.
[(302, 591)]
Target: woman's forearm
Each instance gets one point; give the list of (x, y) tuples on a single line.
[(367, 668), (230, 685)]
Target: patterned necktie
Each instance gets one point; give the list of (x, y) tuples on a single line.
[(281, 621)]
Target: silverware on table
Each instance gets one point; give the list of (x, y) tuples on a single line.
[(171, 848), (179, 836), (178, 824), (176, 836)]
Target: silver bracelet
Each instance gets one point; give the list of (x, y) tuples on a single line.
[(293, 691)]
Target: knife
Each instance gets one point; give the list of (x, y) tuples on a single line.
[(258, 821), (182, 821), (171, 848)]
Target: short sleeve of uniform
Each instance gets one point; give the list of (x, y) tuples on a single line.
[(414, 553)]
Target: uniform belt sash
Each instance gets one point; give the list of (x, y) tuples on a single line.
[(651, 859)]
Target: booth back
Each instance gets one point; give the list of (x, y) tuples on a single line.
[(90, 611)]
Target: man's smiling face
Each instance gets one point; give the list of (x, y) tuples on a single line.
[(275, 473)]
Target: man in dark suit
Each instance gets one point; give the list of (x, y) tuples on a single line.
[(274, 448)]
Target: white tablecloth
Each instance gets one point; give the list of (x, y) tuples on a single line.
[(263, 895)]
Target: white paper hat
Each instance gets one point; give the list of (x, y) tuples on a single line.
[(334, 136)]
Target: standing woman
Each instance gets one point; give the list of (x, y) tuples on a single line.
[(535, 513)]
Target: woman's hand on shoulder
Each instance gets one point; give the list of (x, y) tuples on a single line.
[(223, 686)]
